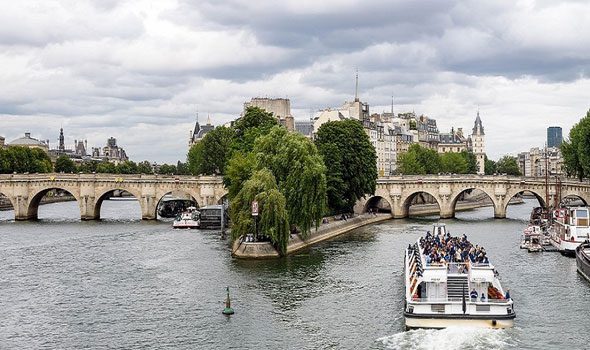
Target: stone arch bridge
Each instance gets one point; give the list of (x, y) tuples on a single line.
[(26, 190), (399, 191)]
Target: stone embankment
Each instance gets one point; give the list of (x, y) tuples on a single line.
[(263, 250)]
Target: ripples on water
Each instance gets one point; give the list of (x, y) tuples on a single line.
[(121, 283)]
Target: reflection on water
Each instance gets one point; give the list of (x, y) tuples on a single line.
[(123, 283)]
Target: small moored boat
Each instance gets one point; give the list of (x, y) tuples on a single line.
[(583, 259), (450, 282), (188, 219)]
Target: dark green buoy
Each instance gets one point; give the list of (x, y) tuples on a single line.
[(228, 310)]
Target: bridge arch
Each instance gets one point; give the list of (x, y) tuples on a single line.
[(38, 194), (102, 196), (570, 195), (378, 203), (161, 194), (409, 197), (10, 200), (538, 193), (455, 198)]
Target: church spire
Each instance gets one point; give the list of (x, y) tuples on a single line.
[(62, 146)]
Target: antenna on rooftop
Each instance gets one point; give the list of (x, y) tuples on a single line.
[(356, 88)]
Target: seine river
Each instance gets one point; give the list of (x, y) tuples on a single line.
[(126, 284)]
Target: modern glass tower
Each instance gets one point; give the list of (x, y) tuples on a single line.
[(554, 137)]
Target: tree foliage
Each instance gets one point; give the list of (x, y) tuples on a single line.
[(421, 160), (300, 174), (576, 159), (63, 164), (454, 163), (23, 159), (489, 166), (273, 221), (350, 160), (299, 190), (508, 165), (210, 155), (254, 123)]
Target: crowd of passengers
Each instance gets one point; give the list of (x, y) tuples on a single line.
[(443, 248)]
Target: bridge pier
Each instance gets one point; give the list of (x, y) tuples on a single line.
[(21, 209), (148, 207), (500, 211)]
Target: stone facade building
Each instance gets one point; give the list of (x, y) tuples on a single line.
[(199, 131), (111, 152), (2, 139), (541, 161), (279, 107)]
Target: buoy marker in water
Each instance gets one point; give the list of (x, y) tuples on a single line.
[(228, 309)]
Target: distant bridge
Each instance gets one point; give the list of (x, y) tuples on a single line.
[(90, 190), (397, 192)]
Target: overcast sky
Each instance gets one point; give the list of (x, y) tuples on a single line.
[(140, 70)]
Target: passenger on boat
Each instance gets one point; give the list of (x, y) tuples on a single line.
[(507, 294), (473, 295), (483, 297)]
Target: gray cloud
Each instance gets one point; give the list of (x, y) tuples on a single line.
[(139, 70)]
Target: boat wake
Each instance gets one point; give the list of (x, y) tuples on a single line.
[(448, 338)]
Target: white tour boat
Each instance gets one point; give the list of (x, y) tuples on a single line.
[(441, 293), (187, 219), (571, 227)]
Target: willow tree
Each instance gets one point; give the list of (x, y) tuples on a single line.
[(300, 174), (273, 222)]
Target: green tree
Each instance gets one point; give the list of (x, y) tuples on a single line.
[(254, 123), (419, 160), (126, 167), (407, 163), (576, 161), (22, 159), (300, 174), (63, 164), (508, 165), (144, 167), (167, 169), (350, 160), (471, 162), (106, 168), (182, 168), (210, 155), (454, 163), (239, 169), (273, 217), (88, 166), (489, 166)]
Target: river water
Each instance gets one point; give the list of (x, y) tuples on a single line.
[(126, 284)]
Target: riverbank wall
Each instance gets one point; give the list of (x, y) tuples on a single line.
[(265, 250)]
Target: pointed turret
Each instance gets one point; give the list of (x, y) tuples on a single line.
[(478, 127)]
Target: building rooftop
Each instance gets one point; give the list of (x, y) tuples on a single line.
[(27, 140)]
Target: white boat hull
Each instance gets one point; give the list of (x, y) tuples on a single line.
[(186, 224), (565, 247), (438, 323)]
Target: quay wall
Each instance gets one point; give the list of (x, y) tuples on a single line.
[(264, 250)]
